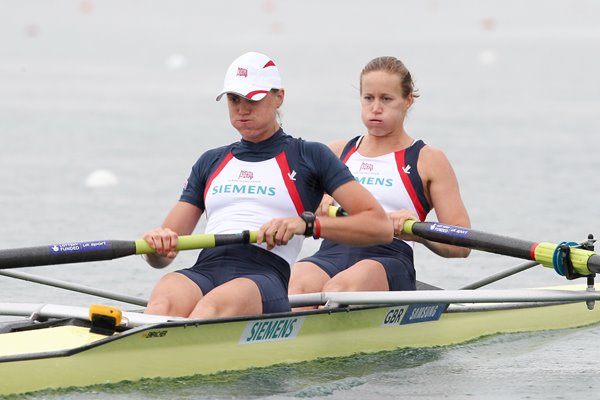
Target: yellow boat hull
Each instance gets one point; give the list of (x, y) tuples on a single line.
[(67, 356)]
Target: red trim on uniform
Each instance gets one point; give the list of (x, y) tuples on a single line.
[(532, 251), (408, 185), (254, 93), (350, 152), (227, 158), (289, 183), (317, 233), (269, 64)]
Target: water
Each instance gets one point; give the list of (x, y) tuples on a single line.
[(510, 94)]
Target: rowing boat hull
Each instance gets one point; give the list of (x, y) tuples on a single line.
[(68, 356)]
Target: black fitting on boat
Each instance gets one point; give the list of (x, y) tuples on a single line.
[(104, 319), (103, 325)]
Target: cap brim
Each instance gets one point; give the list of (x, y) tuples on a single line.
[(255, 96)]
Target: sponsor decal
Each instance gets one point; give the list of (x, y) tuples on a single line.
[(245, 189), (371, 181), (292, 175), (423, 313), (78, 247), (271, 330), (155, 334), (394, 316), (406, 169), (449, 230), (413, 313), (242, 72)]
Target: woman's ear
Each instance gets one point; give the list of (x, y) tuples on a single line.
[(279, 97), (409, 101)]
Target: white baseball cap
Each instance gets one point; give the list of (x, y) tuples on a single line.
[(252, 75)]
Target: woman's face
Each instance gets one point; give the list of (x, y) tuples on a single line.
[(255, 120), (383, 103)]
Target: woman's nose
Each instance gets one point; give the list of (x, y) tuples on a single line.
[(376, 106)]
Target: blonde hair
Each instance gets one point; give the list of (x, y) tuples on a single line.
[(393, 66)]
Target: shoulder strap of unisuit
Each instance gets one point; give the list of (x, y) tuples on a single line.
[(289, 179), (406, 162), (216, 172), (350, 148)]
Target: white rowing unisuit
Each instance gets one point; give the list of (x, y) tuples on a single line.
[(248, 194), (392, 178)]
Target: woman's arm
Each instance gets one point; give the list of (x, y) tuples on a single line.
[(366, 224), (182, 220), (443, 193)]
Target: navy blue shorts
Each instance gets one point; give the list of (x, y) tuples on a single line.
[(219, 265), (396, 258)]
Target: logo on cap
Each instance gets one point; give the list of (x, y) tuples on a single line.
[(242, 72)]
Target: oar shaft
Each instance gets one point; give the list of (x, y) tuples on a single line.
[(459, 236), (101, 250), (584, 262), (75, 287), (65, 253), (500, 275)]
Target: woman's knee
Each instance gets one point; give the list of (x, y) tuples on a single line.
[(307, 278), (174, 295)]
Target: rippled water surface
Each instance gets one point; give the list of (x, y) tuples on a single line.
[(509, 92)]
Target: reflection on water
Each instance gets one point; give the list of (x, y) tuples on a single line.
[(518, 365), (306, 380)]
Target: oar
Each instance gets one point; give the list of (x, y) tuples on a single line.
[(551, 255), (500, 275), (75, 287), (100, 250), (584, 262)]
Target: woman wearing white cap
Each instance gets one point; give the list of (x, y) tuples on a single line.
[(408, 177), (268, 181)]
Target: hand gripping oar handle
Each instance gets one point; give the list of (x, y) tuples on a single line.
[(100, 250), (585, 262)]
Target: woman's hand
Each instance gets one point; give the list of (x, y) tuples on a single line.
[(279, 231), (163, 240), (323, 209), (398, 218)]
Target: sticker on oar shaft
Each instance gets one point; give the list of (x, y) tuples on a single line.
[(78, 247), (449, 230)]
